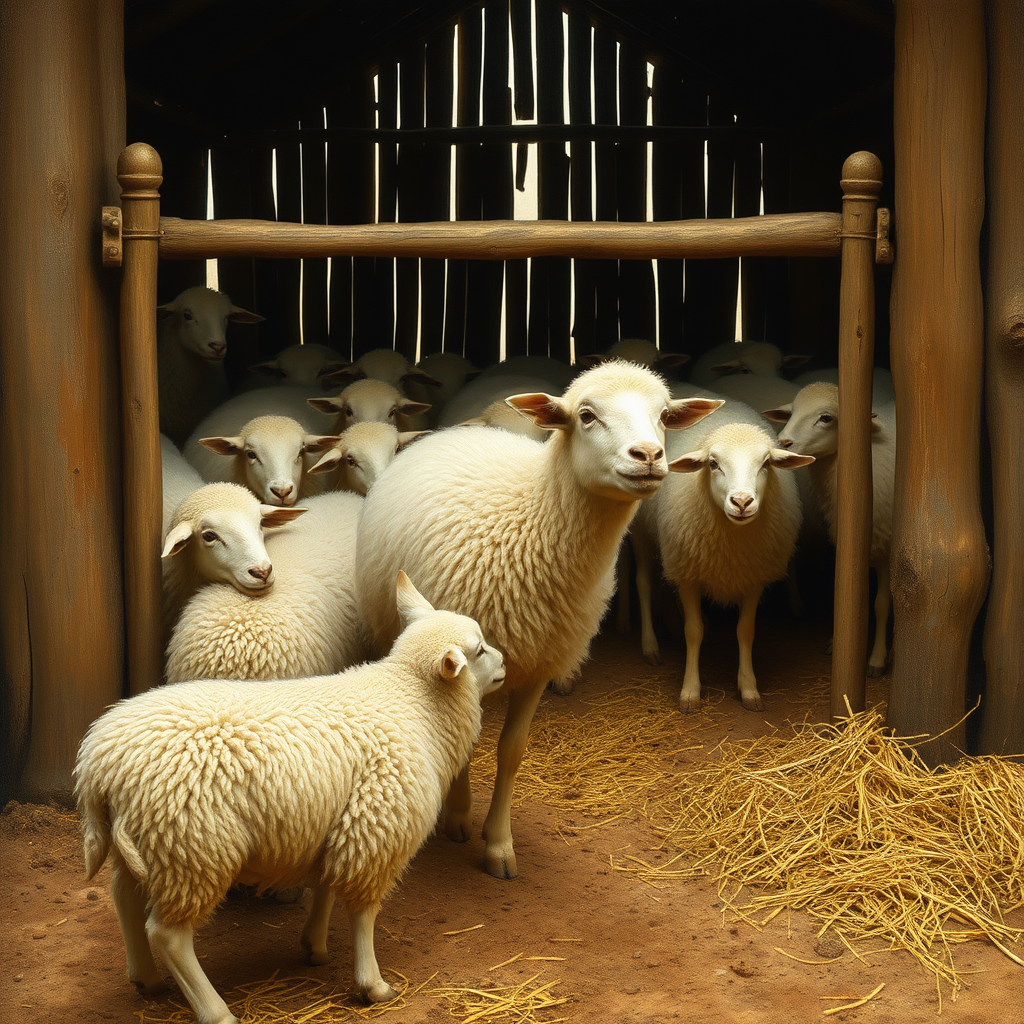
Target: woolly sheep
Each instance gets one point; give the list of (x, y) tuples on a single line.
[(484, 394), (361, 454), (756, 390), (812, 427), (760, 357), (725, 525), (371, 399), (523, 536), (450, 371), (303, 365), (642, 351), (306, 624), (216, 533), (384, 364), (269, 455), (883, 390), (179, 479), (334, 781), (557, 374), (190, 357)]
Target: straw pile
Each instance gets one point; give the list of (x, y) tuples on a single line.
[(848, 824)]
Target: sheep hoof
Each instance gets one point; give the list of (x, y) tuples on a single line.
[(564, 685), (652, 657), (501, 866), (292, 895), (456, 831), (688, 705), (314, 956), (752, 701), (150, 990), (381, 992), (876, 671)]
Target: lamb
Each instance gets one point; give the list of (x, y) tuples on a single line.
[(190, 357), (726, 526), (219, 527), (361, 454), (384, 364), (269, 455), (179, 480), (759, 357), (642, 351), (371, 399), (334, 781), (306, 624), (523, 536), (812, 426), (303, 365)]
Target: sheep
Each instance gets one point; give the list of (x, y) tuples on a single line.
[(361, 453), (557, 374), (484, 393), (812, 426), (190, 357), (383, 364), (450, 371), (334, 781), (883, 390), (269, 455), (523, 536), (220, 529), (304, 625), (756, 390), (725, 525), (303, 365), (371, 399), (178, 477), (759, 357), (642, 351)]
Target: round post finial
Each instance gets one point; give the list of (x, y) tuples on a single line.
[(140, 170), (862, 174)]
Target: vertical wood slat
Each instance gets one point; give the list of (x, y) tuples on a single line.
[(939, 554), (606, 272), (410, 196), (747, 203), (584, 327), (267, 301), (522, 56), (667, 169), (861, 183), (314, 211), (1002, 724), (775, 182), (387, 207), (516, 278), (365, 318), (346, 189), (289, 209)]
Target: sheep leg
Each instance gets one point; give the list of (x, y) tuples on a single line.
[(314, 931), (174, 944), (693, 628), (644, 554), (372, 987), (622, 567), (458, 808), (745, 680), (499, 857), (883, 602), (130, 904)]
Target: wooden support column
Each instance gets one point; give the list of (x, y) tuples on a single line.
[(1002, 727), (139, 175), (939, 556), (61, 601), (862, 181)]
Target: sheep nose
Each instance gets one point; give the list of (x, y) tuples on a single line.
[(283, 491), (646, 453), (741, 501), (785, 442), (260, 573), (217, 348)]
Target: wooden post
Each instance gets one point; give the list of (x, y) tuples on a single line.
[(139, 175), (862, 181), (61, 602), (939, 558), (1002, 727)]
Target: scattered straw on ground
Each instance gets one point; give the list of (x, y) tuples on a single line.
[(847, 823), (504, 1003)]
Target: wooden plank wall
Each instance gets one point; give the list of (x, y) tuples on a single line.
[(423, 306)]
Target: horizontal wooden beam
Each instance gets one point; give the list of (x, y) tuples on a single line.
[(789, 234)]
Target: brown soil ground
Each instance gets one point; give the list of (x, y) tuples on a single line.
[(616, 949)]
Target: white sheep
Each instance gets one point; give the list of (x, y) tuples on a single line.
[(332, 781), (812, 427), (270, 455), (557, 374), (523, 536), (361, 454), (371, 399), (191, 345), (883, 389), (725, 524), (450, 371), (179, 479), (756, 390), (305, 365), (760, 357), (642, 351), (305, 624), (485, 393), (216, 534), (383, 364)]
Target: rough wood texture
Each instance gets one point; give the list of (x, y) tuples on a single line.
[(861, 183), (939, 556), (1002, 728), (61, 602)]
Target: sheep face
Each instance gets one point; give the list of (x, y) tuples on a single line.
[(738, 460), (811, 420), (362, 453), (302, 365), (198, 318), (227, 542), (366, 400), (271, 450), (614, 418)]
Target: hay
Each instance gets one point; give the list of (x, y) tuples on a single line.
[(847, 823), (505, 1003)]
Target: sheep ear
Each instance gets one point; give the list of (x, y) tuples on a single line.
[(688, 463), (420, 377), (164, 312), (452, 662), (273, 515), (414, 408), (684, 412), (412, 605), (314, 444), (546, 411), (784, 458), (223, 445), (670, 361), (728, 367), (327, 405), (589, 362), (780, 415), (331, 367), (270, 369), (793, 362), (342, 375), (328, 462), (406, 437), (237, 315), (177, 538)]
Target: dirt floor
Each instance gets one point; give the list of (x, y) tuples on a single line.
[(572, 925)]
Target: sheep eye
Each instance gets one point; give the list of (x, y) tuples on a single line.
[(825, 417), (398, 448), (744, 369), (351, 460), (250, 455), (587, 417), (391, 413), (480, 651), (186, 314), (209, 536), (348, 411), (713, 463)]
